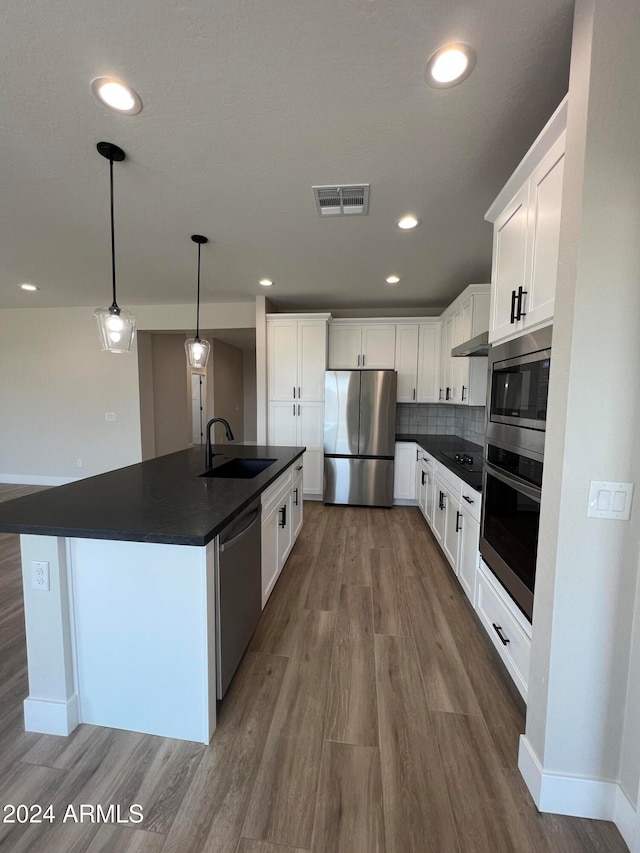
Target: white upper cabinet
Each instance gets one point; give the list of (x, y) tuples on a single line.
[(463, 381), (296, 357), (526, 218), (417, 361), (355, 345)]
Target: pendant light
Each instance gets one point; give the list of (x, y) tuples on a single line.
[(196, 349), (116, 326)]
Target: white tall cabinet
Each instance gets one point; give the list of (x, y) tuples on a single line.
[(296, 365)]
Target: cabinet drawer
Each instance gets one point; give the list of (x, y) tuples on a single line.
[(471, 500), (449, 479), (274, 493), (493, 610)]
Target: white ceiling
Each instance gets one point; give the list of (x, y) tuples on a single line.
[(246, 106)]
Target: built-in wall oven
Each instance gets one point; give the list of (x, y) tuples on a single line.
[(514, 457)]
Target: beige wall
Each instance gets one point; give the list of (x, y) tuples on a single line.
[(145, 390), (250, 400), (171, 404), (581, 711), (228, 395), (55, 387)]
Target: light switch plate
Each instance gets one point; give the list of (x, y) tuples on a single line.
[(610, 500), (109, 416)]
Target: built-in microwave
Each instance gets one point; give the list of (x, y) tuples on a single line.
[(518, 391)]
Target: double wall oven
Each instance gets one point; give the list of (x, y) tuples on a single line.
[(514, 457)]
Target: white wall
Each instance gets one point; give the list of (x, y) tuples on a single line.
[(587, 568), (55, 387)]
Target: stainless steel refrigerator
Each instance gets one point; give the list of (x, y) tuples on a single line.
[(359, 437)]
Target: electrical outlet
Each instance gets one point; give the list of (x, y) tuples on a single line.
[(109, 416), (79, 463), (40, 575)]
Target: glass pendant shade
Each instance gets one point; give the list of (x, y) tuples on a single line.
[(197, 352), (116, 328)]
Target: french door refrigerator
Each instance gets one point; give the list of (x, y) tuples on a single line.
[(359, 437)]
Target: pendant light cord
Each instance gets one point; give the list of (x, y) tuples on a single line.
[(113, 239), (198, 299)]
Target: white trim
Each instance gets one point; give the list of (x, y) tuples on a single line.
[(576, 796), (312, 496), (51, 718), (405, 502), (625, 817), (36, 480)]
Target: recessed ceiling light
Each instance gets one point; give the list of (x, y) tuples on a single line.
[(407, 222), (450, 65), (29, 287), (392, 279), (265, 282), (116, 95)]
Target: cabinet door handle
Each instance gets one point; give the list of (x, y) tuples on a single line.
[(299, 468), (417, 455), (448, 394), (299, 394), (441, 500), (298, 409), (423, 482), (358, 361), (283, 516), (513, 306), (294, 410), (462, 397), (458, 525), (467, 499), (521, 313), (414, 393), (440, 394), (294, 392), (504, 640), (295, 492), (363, 357)]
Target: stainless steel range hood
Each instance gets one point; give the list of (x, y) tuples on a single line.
[(474, 347)]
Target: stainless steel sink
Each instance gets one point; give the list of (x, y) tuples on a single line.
[(240, 469)]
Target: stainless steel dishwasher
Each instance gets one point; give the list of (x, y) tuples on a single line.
[(238, 591)]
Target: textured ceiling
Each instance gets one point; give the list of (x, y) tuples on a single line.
[(246, 106)]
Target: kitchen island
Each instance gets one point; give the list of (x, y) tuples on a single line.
[(119, 591)]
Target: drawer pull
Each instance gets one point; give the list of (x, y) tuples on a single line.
[(504, 640), (441, 501), (467, 499), (299, 468), (458, 517)]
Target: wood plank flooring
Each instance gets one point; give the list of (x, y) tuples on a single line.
[(369, 715)]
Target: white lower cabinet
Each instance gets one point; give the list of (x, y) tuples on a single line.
[(282, 508), (468, 555), (404, 471), (508, 629)]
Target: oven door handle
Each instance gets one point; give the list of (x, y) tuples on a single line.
[(516, 483)]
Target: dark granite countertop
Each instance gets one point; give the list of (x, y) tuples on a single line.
[(161, 500), (437, 445)]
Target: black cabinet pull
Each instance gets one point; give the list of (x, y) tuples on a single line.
[(440, 394), (463, 390), (294, 392), (283, 516), (294, 410), (414, 393), (295, 491), (504, 640), (447, 397), (299, 468), (363, 357), (513, 306), (458, 526), (467, 499), (358, 361), (298, 409), (299, 394), (417, 455), (441, 501), (423, 483), (521, 313)]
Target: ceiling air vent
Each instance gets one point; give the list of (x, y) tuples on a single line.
[(342, 201)]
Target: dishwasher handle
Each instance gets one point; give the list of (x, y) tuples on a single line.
[(253, 518)]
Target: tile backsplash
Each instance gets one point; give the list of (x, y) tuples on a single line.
[(441, 419)]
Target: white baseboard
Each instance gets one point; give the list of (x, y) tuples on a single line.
[(311, 496), (404, 502), (576, 796), (36, 480), (51, 718)]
